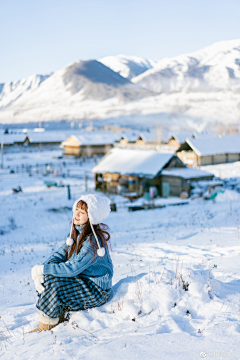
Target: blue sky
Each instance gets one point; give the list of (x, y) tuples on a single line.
[(41, 36)]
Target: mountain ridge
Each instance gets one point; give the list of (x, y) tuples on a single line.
[(128, 66), (212, 68), (202, 86)]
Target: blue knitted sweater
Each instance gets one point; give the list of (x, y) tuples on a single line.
[(99, 270)]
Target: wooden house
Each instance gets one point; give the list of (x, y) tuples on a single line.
[(208, 151), (179, 137), (45, 139), (128, 137), (175, 181), (89, 143), (12, 139), (132, 170), (147, 138), (136, 170), (82, 142), (35, 138)]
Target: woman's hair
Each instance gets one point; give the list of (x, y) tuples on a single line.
[(100, 230)]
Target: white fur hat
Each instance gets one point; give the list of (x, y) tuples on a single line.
[(98, 210), (98, 207)]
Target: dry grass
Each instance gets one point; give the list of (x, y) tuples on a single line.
[(138, 289)]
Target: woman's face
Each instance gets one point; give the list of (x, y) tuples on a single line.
[(80, 216)]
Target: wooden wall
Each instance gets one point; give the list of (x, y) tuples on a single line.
[(205, 160), (178, 184), (219, 159), (72, 150), (233, 157), (175, 183), (190, 158), (173, 142), (87, 150)]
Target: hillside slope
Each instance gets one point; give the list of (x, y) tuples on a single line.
[(128, 66), (214, 68)]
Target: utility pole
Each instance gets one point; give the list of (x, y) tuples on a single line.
[(69, 192)]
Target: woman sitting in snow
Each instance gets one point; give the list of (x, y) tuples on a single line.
[(79, 275)]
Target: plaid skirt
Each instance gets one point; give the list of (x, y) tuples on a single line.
[(70, 294)]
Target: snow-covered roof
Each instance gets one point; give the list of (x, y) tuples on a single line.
[(149, 136), (130, 135), (181, 136), (228, 144), (186, 173), (83, 137), (48, 136), (166, 136), (133, 162), (92, 138), (10, 139), (207, 134)]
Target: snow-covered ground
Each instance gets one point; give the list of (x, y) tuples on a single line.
[(176, 276), (230, 170)]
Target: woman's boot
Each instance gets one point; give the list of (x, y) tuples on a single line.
[(46, 323)]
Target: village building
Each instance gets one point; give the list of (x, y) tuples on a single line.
[(147, 137), (89, 143), (128, 137), (8, 140), (77, 143), (138, 170), (45, 139), (37, 138), (179, 137), (139, 140), (209, 151), (175, 181)]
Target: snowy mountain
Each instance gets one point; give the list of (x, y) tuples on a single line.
[(11, 91), (214, 68), (128, 66), (93, 80), (190, 92), (67, 94)]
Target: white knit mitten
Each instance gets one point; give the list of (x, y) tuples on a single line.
[(38, 284), (37, 270)]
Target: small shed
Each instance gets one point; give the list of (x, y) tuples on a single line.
[(133, 170), (174, 181), (210, 150), (89, 143)]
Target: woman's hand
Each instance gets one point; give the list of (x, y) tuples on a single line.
[(38, 284), (37, 270)]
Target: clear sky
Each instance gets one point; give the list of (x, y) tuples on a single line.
[(41, 36)]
